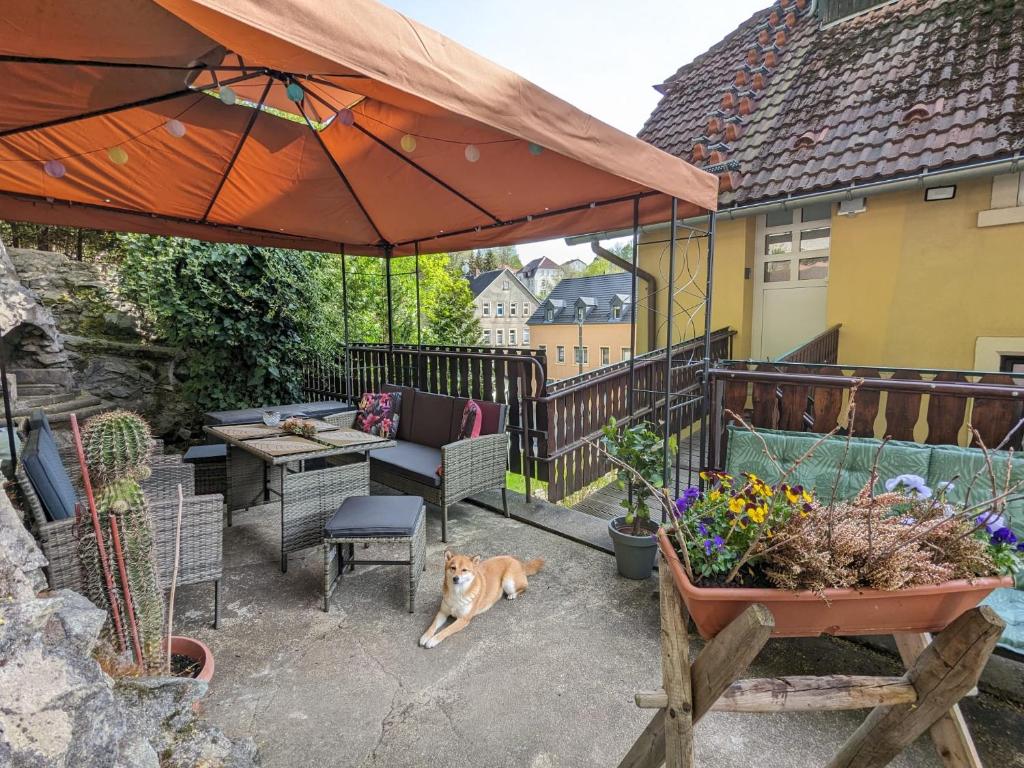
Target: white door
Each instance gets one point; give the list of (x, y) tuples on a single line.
[(790, 279)]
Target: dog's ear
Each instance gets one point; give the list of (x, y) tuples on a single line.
[(448, 555), (476, 560)]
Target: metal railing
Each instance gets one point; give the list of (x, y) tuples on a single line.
[(823, 349)]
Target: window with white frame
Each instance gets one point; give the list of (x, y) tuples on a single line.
[(796, 244), (500, 310), (581, 357), (526, 309), (616, 311), (499, 336), (487, 335), (512, 306), (1007, 206), (606, 355), (561, 353), (505, 285), (580, 314), (625, 353), (511, 337), (487, 309), (549, 315), (526, 335)]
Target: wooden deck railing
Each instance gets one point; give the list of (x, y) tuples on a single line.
[(936, 407), (548, 426), (823, 349)]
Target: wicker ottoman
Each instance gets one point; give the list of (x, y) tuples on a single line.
[(375, 520)]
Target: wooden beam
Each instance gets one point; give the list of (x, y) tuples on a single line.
[(803, 694), (675, 674), (949, 733), (648, 751), (947, 669), (728, 655)]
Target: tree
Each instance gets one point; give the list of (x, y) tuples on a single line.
[(448, 307), (487, 259)]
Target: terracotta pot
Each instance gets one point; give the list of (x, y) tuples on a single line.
[(844, 611), (194, 649)]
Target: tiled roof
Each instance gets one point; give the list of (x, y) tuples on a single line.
[(479, 283), (908, 86), (596, 291), (542, 262)]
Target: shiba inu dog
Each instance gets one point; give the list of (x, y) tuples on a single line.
[(471, 586)]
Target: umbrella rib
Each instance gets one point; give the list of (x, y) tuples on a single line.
[(341, 174), (413, 163), (54, 61), (238, 150), (97, 113)]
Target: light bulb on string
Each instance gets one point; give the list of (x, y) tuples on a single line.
[(472, 153), (54, 168), (227, 95), (175, 127), (294, 92), (535, 149), (408, 143), (117, 155), (346, 116)]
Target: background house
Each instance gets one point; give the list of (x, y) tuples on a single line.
[(540, 276), (503, 305), (599, 309), (869, 156), (574, 267)]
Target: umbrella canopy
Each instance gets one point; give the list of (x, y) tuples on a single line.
[(320, 124)]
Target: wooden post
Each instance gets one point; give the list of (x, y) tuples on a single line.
[(949, 733), (945, 671), (675, 674)]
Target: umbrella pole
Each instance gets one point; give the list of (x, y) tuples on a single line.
[(344, 316), (115, 612), (419, 330), (388, 251)]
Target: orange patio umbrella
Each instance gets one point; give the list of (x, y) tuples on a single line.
[(320, 124)]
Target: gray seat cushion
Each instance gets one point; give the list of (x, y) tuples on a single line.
[(48, 476), (199, 454), (375, 516), (38, 420), (412, 460)]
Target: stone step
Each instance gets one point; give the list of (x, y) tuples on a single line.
[(63, 419), (42, 376), (53, 410), (40, 390), (40, 401)]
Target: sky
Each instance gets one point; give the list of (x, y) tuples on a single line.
[(602, 56)]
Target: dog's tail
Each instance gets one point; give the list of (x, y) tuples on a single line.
[(533, 566)]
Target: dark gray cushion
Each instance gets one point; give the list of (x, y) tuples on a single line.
[(405, 410), (200, 454), (432, 419), (412, 460), (375, 516), (48, 476)]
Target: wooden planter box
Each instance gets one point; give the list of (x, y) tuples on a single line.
[(843, 611)]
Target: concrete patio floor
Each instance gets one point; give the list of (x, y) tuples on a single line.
[(546, 681)]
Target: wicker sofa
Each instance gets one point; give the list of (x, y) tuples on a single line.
[(428, 426), (202, 521)]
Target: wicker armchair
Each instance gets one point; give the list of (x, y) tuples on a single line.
[(201, 529)]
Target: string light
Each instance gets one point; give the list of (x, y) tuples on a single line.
[(472, 153), (54, 168), (117, 155), (409, 142), (346, 116), (295, 92), (535, 149), (175, 127), (227, 95)]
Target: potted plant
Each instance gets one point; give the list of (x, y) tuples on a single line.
[(905, 560), (117, 550), (638, 454)]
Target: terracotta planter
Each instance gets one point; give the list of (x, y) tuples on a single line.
[(843, 612), (194, 649)]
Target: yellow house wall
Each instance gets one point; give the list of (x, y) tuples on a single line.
[(914, 284), (615, 336)]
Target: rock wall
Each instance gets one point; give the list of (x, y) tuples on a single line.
[(57, 705), (68, 318)]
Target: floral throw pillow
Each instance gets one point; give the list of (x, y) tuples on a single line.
[(378, 413)]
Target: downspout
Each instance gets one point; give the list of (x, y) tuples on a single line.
[(647, 277)]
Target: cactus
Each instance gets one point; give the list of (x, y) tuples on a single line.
[(117, 447)]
